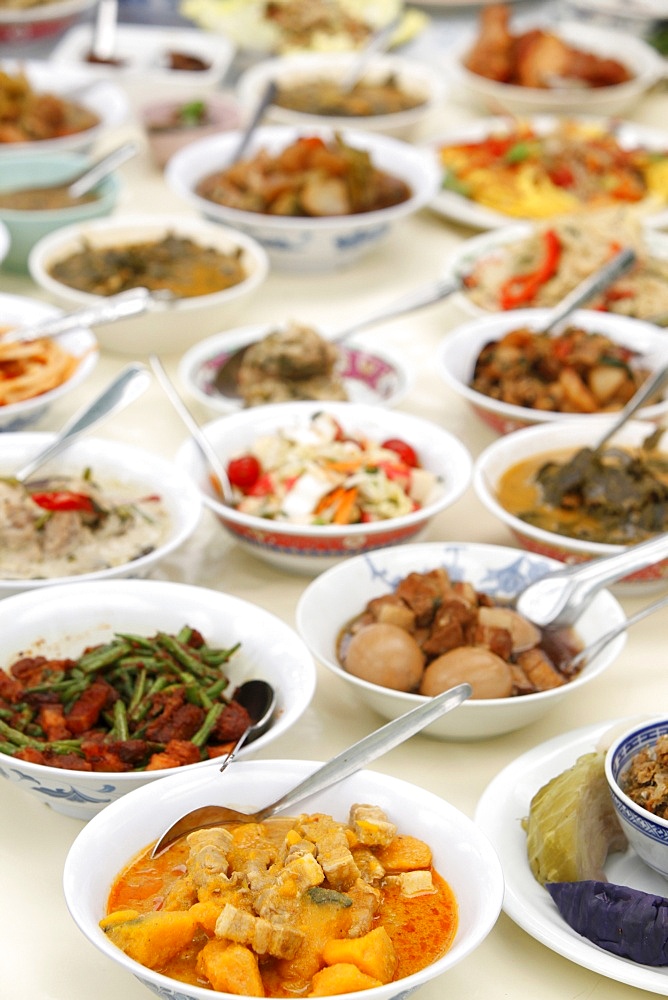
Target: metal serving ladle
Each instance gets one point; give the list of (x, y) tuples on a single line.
[(342, 766)]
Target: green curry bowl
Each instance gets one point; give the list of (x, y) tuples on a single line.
[(27, 225)]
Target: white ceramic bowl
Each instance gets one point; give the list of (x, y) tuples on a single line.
[(634, 17), (17, 310), (311, 548), (21, 25), (646, 832), (168, 326), (104, 98), (144, 51), (415, 78), (119, 463), (497, 246), (461, 347), (643, 62), (62, 621), (542, 439), (338, 595), (369, 375), (461, 853), (308, 244)]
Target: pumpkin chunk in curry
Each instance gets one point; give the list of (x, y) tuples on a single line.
[(298, 906)]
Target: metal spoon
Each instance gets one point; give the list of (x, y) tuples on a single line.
[(130, 383), (589, 288), (342, 766), (219, 477), (258, 697), (266, 98), (103, 43), (87, 179), (596, 647), (645, 391), (376, 43), (226, 378), (115, 307)]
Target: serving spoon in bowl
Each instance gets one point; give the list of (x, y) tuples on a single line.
[(86, 180), (342, 766), (258, 697)]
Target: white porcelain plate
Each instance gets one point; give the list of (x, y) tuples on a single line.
[(500, 811), (455, 206)]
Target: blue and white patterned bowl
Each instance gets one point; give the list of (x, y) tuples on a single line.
[(461, 852), (647, 834), (308, 244), (341, 593), (62, 621)]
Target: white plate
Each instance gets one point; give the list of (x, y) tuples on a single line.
[(496, 243), (500, 811), (144, 50), (369, 376), (457, 207)]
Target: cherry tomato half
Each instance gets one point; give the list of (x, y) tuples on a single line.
[(403, 450), (243, 472)]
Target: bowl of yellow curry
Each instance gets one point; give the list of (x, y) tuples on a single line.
[(374, 884)]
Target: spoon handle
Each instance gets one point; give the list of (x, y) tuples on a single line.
[(87, 181), (370, 747), (424, 296), (130, 303), (263, 103), (647, 389), (125, 388), (378, 42), (590, 287), (219, 477), (599, 645)]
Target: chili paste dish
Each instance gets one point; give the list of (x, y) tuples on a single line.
[(439, 883)]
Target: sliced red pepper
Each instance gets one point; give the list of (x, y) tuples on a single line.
[(522, 289), (58, 500)]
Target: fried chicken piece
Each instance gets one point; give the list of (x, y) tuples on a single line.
[(492, 52)]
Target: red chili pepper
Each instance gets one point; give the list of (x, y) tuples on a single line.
[(521, 289), (58, 500)]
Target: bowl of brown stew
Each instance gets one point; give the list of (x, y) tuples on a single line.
[(561, 496), (340, 192), (201, 274), (401, 624), (395, 95), (456, 881)]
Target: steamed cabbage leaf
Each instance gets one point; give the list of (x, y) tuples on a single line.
[(624, 921), (572, 824)]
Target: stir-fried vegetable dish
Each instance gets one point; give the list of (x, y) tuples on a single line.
[(293, 362), (522, 172), (295, 906), (135, 703), (27, 115), (315, 473), (571, 372), (175, 264), (432, 633), (309, 177), (614, 495)]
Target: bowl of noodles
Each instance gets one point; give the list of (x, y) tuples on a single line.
[(500, 170), (500, 264), (34, 374)]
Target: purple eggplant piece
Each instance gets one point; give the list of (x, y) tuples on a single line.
[(619, 919)]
